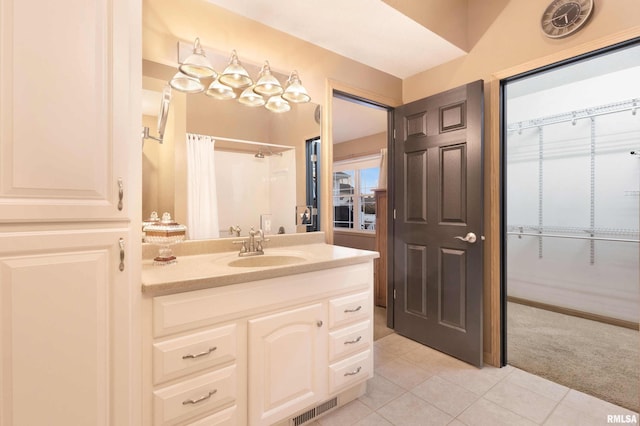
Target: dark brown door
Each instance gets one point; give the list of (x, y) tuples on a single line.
[(437, 246)]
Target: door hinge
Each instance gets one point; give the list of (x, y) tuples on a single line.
[(394, 135), (394, 214), (394, 294)]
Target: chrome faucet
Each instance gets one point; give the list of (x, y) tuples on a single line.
[(252, 246), (234, 230)]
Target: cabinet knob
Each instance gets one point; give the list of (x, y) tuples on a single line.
[(319, 323)]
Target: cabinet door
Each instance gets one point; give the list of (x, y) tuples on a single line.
[(70, 84), (287, 363), (65, 329)]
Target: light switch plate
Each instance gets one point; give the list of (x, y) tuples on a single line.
[(265, 224)]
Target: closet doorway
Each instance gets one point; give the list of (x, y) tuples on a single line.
[(571, 161)]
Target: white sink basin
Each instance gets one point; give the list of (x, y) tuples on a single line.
[(265, 260)]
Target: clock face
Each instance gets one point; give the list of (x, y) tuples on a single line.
[(564, 17)]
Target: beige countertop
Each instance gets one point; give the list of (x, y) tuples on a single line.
[(206, 270)]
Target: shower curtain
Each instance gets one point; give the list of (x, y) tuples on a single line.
[(202, 202)]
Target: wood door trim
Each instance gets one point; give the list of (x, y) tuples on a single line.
[(492, 264), (326, 147), (575, 313)]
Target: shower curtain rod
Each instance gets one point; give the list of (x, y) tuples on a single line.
[(629, 105), (220, 138)]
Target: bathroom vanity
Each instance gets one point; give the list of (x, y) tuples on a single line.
[(279, 338)]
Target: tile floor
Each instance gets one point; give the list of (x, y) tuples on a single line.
[(416, 385)]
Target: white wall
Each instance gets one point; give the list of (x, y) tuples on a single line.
[(564, 275), (246, 184)]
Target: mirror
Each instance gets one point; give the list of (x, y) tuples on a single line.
[(250, 188)]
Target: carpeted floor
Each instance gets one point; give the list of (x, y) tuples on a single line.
[(596, 358)]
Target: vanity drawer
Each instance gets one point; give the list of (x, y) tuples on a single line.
[(194, 352), (354, 369), (178, 402), (344, 310), (350, 339), (226, 417)]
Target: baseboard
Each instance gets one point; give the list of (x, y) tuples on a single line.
[(576, 313)]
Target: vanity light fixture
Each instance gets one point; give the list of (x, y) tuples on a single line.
[(236, 83), (267, 84), (234, 75), (219, 91), (185, 83), (277, 104), (197, 65), (250, 98), (295, 91)]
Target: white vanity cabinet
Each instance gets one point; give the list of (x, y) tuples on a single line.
[(287, 362), (283, 347), (70, 211)]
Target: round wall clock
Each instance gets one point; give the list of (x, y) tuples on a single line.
[(564, 17)]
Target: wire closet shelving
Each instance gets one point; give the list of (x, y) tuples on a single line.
[(590, 233)]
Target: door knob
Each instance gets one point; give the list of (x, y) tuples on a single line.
[(470, 238)]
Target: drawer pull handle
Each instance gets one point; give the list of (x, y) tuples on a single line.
[(202, 398), (351, 342), (353, 373), (348, 311), (189, 356)]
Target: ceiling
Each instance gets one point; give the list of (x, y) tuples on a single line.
[(367, 31), (352, 121)]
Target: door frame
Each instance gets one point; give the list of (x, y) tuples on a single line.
[(495, 253), (326, 148)]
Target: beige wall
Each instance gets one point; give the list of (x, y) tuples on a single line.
[(368, 145), (507, 35)]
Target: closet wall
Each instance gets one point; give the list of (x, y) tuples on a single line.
[(571, 177)]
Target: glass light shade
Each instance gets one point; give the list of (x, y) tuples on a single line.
[(267, 84), (277, 104), (197, 65), (186, 83), (295, 92), (220, 91), (234, 75), (251, 98)]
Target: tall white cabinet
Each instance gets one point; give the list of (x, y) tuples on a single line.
[(70, 173)]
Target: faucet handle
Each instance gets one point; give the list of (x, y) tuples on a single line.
[(262, 239), (243, 249)]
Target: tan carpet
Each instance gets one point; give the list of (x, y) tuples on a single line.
[(595, 358)]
